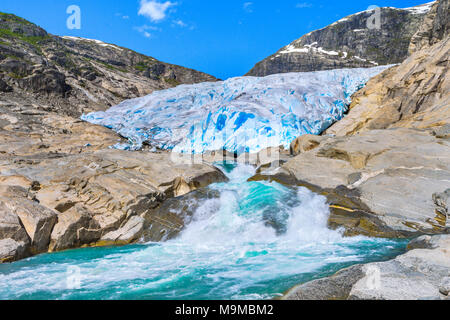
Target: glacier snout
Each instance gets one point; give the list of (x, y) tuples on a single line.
[(244, 114)]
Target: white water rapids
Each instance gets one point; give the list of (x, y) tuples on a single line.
[(255, 241)]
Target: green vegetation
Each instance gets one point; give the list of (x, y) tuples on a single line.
[(144, 65), (173, 82), (107, 65), (111, 67), (9, 17), (141, 66), (34, 41), (8, 20), (16, 75)]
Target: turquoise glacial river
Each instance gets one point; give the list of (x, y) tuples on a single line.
[(254, 241)]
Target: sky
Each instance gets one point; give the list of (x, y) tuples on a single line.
[(222, 38)]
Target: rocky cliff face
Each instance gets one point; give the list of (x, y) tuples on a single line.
[(413, 94), (349, 43), (74, 75), (385, 170), (435, 27), (384, 165)]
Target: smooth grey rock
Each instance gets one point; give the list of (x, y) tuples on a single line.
[(336, 287), (444, 287), (419, 274), (442, 132), (10, 225)]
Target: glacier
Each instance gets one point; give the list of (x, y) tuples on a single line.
[(244, 114)]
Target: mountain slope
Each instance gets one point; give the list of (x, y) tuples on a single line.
[(415, 93), (75, 75), (348, 43)]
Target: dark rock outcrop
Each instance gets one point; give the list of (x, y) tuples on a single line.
[(349, 43)]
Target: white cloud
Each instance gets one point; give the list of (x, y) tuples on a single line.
[(180, 23), (155, 10), (303, 5), (248, 7), (146, 27), (144, 30), (122, 16)]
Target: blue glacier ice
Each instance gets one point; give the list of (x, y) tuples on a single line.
[(244, 114)]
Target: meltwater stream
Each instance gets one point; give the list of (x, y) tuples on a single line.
[(254, 241)]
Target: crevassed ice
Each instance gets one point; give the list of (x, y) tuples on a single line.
[(244, 114)]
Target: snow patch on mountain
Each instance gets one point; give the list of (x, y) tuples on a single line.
[(100, 43)]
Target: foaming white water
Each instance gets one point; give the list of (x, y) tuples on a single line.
[(227, 220), (255, 240), (308, 221)]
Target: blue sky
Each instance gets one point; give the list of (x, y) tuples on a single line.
[(222, 38)]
